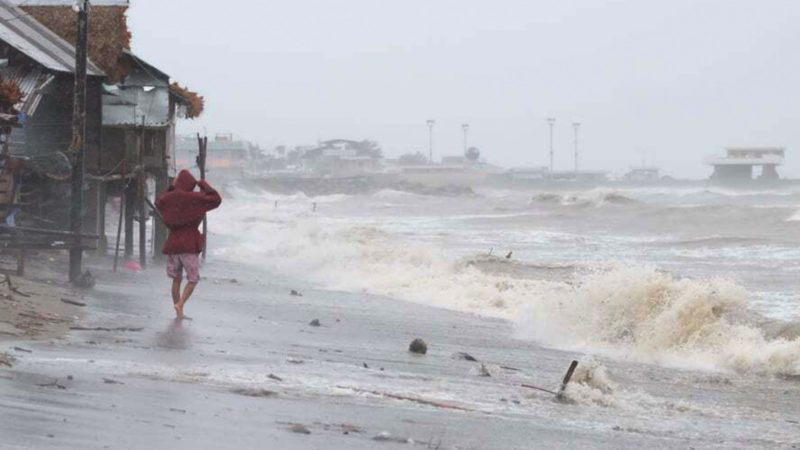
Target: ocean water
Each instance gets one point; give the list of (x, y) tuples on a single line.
[(688, 278)]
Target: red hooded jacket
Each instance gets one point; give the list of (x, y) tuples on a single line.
[(183, 211)]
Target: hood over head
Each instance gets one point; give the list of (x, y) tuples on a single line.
[(185, 181)]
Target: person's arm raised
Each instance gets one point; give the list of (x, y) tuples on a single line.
[(211, 198)]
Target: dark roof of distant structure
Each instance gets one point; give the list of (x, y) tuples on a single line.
[(756, 149), (146, 66), (31, 38), (339, 141)]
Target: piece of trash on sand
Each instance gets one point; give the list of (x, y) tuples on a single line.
[(133, 266), (384, 436), (465, 356), (110, 381), (348, 428), (299, 428), (254, 392), (73, 302), (418, 346), (314, 323), (6, 359), (274, 377), (483, 371), (294, 293)]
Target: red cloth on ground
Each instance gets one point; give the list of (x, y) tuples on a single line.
[(183, 211)]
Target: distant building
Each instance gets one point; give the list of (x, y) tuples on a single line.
[(643, 174), (527, 173), (737, 166), (343, 158), (453, 160), (584, 176), (227, 158)]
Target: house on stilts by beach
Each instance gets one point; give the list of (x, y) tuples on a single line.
[(132, 111)]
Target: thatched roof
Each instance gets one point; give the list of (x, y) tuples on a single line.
[(10, 95), (109, 36), (109, 40), (194, 102)]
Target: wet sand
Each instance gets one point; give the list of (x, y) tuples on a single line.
[(37, 310), (249, 367)]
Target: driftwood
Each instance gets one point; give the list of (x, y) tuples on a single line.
[(421, 401), (53, 384), (14, 289), (530, 386), (560, 394), (133, 329), (73, 302)]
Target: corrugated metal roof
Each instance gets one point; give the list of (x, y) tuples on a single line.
[(30, 37), (68, 2), (128, 105), (31, 82)]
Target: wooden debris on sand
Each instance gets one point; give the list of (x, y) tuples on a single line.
[(560, 395), (251, 392), (421, 401), (131, 329), (73, 302)]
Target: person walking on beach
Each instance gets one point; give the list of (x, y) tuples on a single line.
[(182, 210)]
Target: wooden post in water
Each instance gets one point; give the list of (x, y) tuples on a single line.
[(567, 377)]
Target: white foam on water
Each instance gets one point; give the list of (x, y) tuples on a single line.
[(627, 311), (648, 315), (795, 217)]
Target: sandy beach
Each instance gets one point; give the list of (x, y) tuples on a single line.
[(249, 371), (36, 310)]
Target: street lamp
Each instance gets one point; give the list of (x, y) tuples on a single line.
[(576, 126), (430, 123), (552, 122), (465, 127)]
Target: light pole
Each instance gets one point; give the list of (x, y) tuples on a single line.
[(430, 123), (576, 126), (465, 127), (552, 122)]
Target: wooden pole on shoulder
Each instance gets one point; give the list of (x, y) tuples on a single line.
[(201, 163)]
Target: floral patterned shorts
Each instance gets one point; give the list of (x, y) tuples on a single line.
[(189, 262)]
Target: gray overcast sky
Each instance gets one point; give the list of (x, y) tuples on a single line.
[(679, 79)]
